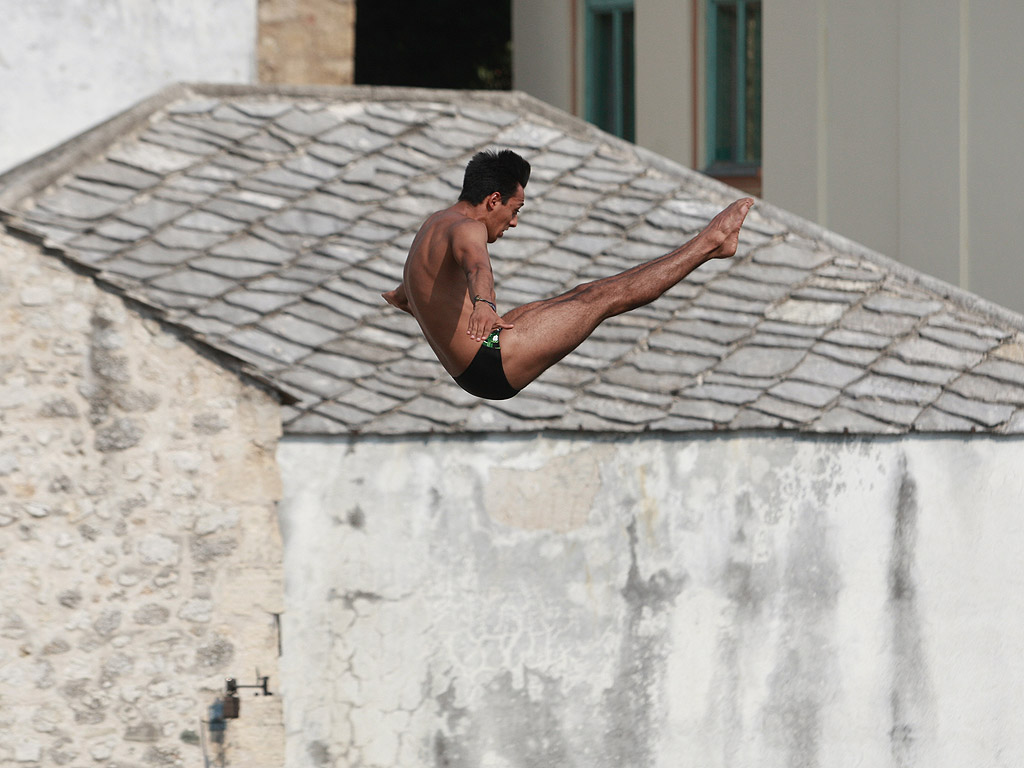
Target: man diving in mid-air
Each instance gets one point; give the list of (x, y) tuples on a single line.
[(448, 285)]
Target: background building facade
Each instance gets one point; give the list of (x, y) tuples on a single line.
[(891, 124)]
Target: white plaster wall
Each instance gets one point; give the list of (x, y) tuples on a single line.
[(732, 601), (65, 66)]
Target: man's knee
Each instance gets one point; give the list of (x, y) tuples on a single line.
[(589, 293), (603, 298)]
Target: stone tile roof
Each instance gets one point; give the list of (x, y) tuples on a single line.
[(267, 222)]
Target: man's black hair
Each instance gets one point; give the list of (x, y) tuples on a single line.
[(502, 172)]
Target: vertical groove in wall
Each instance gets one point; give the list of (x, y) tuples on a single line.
[(574, 55), (962, 106), (823, 70), (695, 88)]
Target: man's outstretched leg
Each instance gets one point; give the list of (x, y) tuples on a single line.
[(546, 331)]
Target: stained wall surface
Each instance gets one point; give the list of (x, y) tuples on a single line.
[(650, 601), (139, 548)]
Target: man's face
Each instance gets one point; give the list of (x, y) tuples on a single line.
[(506, 213)]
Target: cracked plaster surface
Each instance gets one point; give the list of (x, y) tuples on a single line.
[(722, 602)]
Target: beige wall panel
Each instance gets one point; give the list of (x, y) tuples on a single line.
[(862, 67), (793, 97), (664, 78), (542, 50), (929, 146), (995, 163)]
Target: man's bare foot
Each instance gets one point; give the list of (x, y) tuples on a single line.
[(723, 232)]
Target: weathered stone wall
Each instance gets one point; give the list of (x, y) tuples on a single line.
[(738, 600), (307, 42), (139, 547)]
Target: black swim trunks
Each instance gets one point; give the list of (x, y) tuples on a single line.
[(485, 376)]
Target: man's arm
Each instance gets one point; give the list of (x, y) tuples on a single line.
[(469, 247), (397, 298)]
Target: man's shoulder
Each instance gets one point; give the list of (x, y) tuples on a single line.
[(465, 225), (467, 231), (450, 232)]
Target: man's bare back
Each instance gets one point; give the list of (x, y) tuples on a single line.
[(448, 286)]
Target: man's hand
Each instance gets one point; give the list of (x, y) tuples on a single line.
[(397, 298), (483, 320)]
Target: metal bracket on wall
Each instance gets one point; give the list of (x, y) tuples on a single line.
[(231, 703)]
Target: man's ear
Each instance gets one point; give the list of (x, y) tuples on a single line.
[(493, 200)]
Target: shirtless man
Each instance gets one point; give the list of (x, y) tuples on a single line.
[(448, 285)]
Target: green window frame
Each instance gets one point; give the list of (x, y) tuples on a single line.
[(610, 101), (733, 86)]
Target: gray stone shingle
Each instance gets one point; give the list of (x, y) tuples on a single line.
[(134, 269), (186, 144), (338, 365), (368, 401), (986, 389), (849, 355), (252, 248), (188, 239), (117, 174), (223, 122), (899, 414), (96, 243), (761, 361), (805, 312), (985, 414), (1004, 370), (934, 420), (152, 213), (791, 255), (299, 331), (616, 410), (704, 410), (844, 420), (79, 205), (957, 339), (153, 159), (154, 253), (814, 395), (307, 123), (785, 409), (902, 305), (918, 350), (258, 301), (879, 323), (896, 390), (924, 374), (194, 282)]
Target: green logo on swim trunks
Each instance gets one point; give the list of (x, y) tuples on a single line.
[(492, 340)]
